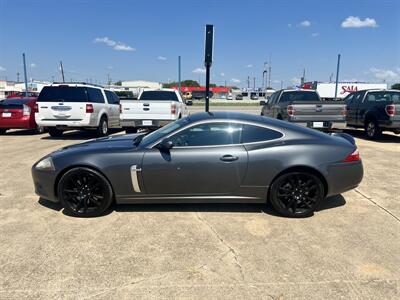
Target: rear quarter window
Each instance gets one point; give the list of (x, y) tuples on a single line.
[(95, 95), (252, 133), (112, 98)]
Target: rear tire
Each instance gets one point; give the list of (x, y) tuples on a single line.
[(3, 131), (296, 194), (102, 130), (84, 192), (372, 129), (54, 132)]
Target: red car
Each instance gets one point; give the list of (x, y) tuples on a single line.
[(18, 113)]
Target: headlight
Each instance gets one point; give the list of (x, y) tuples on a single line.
[(45, 164)]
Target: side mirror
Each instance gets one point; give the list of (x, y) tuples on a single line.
[(189, 102), (262, 102), (165, 144)]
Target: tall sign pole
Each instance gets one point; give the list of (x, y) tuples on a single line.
[(337, 75), (179, 73), (26, 77), (208, 58)]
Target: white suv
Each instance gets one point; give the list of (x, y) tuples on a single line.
[(62, 106)]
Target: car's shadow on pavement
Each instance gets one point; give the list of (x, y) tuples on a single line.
[(22, 132), (384, 138), (80, 134), (328, 203)]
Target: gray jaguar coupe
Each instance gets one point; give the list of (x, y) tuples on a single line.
[(206, 157)]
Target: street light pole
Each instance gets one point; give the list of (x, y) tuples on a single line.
[(26, 77), (179, 74), (337, 75)]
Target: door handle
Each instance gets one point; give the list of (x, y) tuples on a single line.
[(229, 158)]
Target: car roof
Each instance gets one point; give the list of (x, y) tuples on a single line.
[(76, 84)]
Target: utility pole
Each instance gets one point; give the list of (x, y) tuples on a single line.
[(62, 71), (26, 77), (179, 73), (303, 78), (337, 75), (108, 79), (269, 72), (17, 76), (254, 83), (248, 82)]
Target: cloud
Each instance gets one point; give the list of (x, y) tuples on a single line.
[(161, 58), (199, 71), (235, 80), (222, 74), (356, 22), (249, 66), (118, 46), (289, 25), (315, 34), (305, 23), (110, 67), (2, 69), (385, 74), (33, 65)]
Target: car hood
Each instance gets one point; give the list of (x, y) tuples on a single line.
[(105, 143)]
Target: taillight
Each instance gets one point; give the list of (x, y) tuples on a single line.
[(390, 110), (355, 156), (120, 108), (290, 110), (89, 108), (36, 108), (173, 109), (26, 110)]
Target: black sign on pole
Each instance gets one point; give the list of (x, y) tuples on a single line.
[(208, 58)]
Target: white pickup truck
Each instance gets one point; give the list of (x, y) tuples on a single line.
[(153, 109)]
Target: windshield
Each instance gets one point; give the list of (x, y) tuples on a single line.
[(159, 96), (63, 94), (163, 131)]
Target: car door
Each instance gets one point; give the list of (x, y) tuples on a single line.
[(362, 107), (206, 159), (267, 110), (113, 107)]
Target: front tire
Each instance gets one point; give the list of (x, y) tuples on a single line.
[(102, 130), (84, 192), (296, 194), (3, 131), (372, 129), (54, 132)]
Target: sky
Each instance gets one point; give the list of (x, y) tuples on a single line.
[(141, 40)]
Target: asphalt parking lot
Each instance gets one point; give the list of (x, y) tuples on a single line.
[(349, 249)]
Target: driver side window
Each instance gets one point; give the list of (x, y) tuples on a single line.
[(208, 134)]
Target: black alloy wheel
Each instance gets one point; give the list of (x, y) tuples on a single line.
[(296, 194), (84, 192)]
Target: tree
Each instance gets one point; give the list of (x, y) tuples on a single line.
[(119, 82), (396, 86), (187, 82)]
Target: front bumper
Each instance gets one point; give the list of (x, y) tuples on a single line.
[(44, 182), (342, 177)]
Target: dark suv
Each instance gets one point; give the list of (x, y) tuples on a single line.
[(375, 111)]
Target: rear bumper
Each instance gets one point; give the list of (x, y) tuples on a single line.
[(67, 123), (44, 182), (343, 177), (322, 124), (141, 123), (23, 123)]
